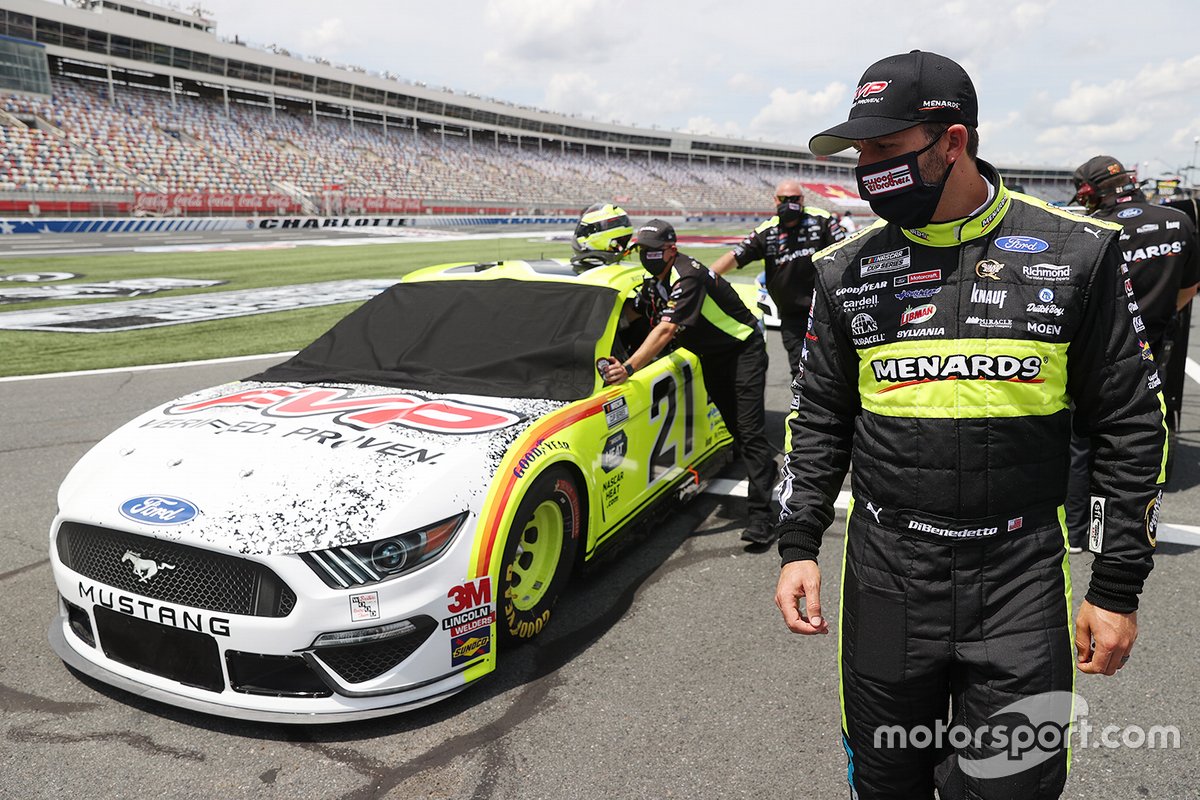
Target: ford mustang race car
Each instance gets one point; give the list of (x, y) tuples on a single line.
[(363, 528), (765, 303)]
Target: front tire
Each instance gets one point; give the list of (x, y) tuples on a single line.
[(539, 553)]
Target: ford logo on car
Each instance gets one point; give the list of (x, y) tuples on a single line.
[(159, 509), (1129, 212), (1021, 244)]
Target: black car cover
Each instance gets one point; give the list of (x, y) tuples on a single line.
[(500, 338)]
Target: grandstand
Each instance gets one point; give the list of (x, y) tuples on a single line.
[(143, 109)]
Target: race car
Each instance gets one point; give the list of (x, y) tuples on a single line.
[(364, 528), (766, 304)]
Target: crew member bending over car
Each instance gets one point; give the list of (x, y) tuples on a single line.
[(690, 302)]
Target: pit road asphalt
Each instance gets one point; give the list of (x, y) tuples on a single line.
[(667, 675)]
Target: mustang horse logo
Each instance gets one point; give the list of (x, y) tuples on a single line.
[(144, 568)]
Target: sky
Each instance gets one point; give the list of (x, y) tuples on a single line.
[(1058, 81)]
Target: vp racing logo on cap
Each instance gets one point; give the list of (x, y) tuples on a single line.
[(864, 92), (910, 371)]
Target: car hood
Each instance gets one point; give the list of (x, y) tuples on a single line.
[(271, 468)]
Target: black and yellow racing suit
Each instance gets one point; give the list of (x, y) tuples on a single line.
[(941, 362)]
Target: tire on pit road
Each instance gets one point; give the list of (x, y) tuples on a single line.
[(539, 554)]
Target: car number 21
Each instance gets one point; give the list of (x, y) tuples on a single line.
[(666, 395)]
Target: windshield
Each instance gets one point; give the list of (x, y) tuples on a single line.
[(501, 338)]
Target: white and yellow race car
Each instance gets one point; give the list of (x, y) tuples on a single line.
[(362, 529)]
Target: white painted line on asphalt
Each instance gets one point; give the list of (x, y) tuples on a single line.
[(1192, 369), (147, 367), (1179, 534)]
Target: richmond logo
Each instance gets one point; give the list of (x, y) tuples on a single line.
[(922, 369)]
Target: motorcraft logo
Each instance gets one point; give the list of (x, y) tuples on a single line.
[(359, 411), (893, 261), (1047, 272), (917, 277), (918, 315), (890, 180), (913, 370), (159, 509), (1021, 244), (1149, 227), (138, 314)]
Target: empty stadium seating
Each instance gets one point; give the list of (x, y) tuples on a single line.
[(141, 141)]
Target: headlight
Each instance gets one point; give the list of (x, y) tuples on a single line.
[(371, 562)]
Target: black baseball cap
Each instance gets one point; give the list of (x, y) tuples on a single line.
[(655, 235), (1097, 170), (900, 92)]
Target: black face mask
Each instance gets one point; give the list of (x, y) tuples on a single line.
[(789, 210), (652, 260), (896, 191)]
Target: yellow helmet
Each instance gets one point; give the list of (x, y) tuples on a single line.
[(603, 233)]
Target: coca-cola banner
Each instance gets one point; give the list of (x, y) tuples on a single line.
[(173, 203)]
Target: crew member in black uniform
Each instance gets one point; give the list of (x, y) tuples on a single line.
[(953, 406), (1160, 249), (699, 308), (785, 244)]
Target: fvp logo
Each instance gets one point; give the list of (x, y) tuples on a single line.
[(159, 509)]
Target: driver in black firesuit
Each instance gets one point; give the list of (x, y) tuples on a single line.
[(1160, 249)]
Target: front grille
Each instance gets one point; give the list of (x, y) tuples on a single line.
[(186, 576), (275, 676), (188, 657), (356, 663)]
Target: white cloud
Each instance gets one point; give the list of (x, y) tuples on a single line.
[(329, 38), (794, 116), (710, 127)]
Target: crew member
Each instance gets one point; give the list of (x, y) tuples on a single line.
[(785, 244), (691, 303), (1159, 246), (954, 408)]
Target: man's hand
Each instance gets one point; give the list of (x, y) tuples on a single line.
[(611, 371), (1103, 639), (797, 580)]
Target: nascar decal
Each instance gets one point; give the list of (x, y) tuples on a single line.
[(892, 261), (359, 411)]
